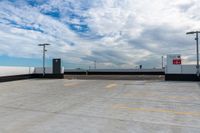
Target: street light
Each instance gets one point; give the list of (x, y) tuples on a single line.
[(44, 51), (95, 64), (197, 43), (162, 62)]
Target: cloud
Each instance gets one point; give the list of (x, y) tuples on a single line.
[(116, 33)]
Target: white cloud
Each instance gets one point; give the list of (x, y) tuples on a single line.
[(128, 31)]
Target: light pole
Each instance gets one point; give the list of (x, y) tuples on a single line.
[(197, 47), (44, 51), (95, 64), (162, 62)]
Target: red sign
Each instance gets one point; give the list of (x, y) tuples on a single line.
[(176, 61)]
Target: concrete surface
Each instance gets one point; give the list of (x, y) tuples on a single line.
[(99, 106)]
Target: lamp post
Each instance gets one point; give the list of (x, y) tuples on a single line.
[(44, 51), (162, 58), (95, 64), (197, 48)]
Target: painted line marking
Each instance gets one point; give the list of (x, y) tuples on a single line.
[(111, 86), (70, 84), (156, 95), (155, 110)]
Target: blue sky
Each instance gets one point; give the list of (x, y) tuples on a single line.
[(115, 33)]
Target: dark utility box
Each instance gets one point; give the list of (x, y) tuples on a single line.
[(56, 66)]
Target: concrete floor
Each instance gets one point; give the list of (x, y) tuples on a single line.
[(99, 106)]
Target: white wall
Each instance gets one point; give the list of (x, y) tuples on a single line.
[(183, 69), (178, 68), (48, 70), (172, 68), (189, 69), (39, 70), (11, 71)]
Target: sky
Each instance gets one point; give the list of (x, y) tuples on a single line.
[(114, 33)]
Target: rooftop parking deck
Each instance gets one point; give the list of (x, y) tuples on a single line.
[(99, 106)]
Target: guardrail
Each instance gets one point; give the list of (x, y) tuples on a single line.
[(18, 73), (114, 72)]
